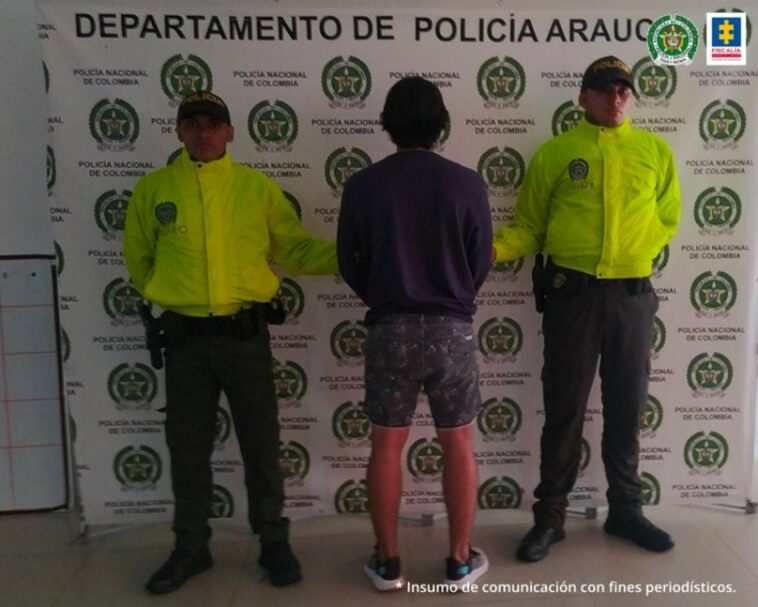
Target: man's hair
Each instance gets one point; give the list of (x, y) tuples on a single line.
[(414, 114)]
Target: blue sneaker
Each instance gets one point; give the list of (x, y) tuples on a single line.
[(384, 576), (459, 574)]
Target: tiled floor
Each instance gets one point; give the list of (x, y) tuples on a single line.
[(40, 566)]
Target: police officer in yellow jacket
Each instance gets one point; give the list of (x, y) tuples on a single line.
[(198, 238), (601, 201)]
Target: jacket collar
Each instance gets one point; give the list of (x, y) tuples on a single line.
[(214, 166), (596, 133)]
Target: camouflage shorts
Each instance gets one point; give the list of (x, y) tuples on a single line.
[(408, 352)]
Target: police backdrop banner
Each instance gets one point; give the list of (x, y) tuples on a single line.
[(305, 83)]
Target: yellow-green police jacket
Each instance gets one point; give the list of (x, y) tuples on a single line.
[(199, 235), (600, 200)]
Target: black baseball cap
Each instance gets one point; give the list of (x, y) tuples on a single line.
[(203, 102), (604, 71)]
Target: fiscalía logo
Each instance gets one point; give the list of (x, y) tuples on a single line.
[(351, 497), (654, 84), (346, 82), (499, 419), (114, 125), (182, 76), (672, 40), (272, 126), (709, 376), (121, 301), (726, 40), (52, 171), (132, 386), (651, 417), (351, 425), (222, 503), (424, 460), (340, 166), (506, 271), (110, 213), (348, 342), (578, 169), (500, 340), (223, 429), (294, 463), (722, 124), (566, 117), (290, 383), (713, 294), (661, 261), (502, 170), (659, 338), (651, 489), (717, 211), (292, 298), (499, 493), (295, 203), (137, 468), (501, 82), (706, 453)]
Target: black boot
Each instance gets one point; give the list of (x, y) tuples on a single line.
[(281, 564), (536, 543), (180, 566), (640, 531)]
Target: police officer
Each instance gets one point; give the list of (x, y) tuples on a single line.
[(601, 201), (198, 239)]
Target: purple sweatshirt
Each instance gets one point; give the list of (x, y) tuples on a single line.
[(415, 236)]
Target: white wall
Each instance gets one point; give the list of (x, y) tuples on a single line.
[(25, 227)]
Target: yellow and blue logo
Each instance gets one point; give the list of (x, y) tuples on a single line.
[(726, 32), (726, 39)]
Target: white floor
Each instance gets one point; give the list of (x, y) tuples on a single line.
[(39, 566)]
